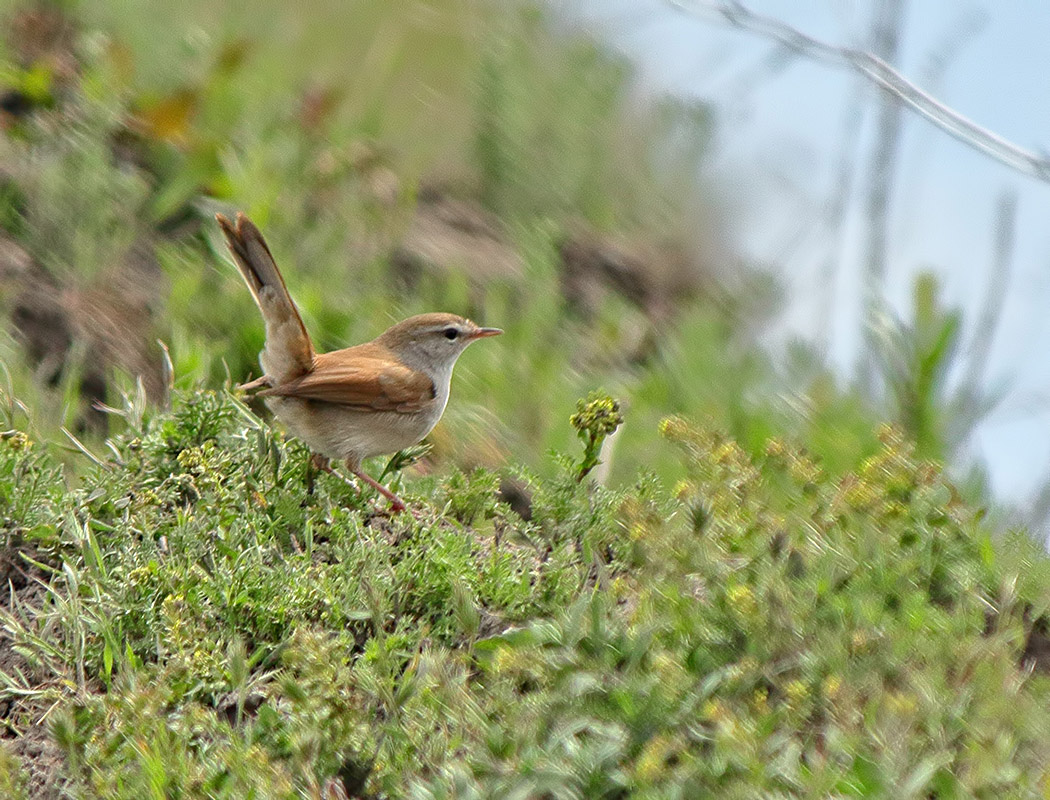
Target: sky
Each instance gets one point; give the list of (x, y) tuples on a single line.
[(779, 144)]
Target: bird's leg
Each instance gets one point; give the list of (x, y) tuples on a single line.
[(396, 503), (323, 464), (250, 385), (317, 463)]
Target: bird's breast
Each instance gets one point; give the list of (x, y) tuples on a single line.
[(340, 432)]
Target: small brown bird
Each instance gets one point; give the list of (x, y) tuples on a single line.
[(374, 398)]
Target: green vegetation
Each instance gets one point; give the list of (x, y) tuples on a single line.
[(197, 625), (722, 579), (117, 185)]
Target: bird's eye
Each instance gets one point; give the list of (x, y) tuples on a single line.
[(451, 333)]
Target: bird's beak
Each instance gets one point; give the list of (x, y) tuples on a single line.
[(481, 333)]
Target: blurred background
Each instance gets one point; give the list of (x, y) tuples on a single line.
[(800, 138), (661, 199)]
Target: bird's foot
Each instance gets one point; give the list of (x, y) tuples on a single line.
[(258, 383), (397, 505)]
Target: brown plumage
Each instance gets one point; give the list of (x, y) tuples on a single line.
[(368, 380), (291, 345)]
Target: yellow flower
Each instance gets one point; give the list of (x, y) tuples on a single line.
[(796, 692), (653, 759), (715, 710), (775, 447), (741, 599), (17, 440), (832, 687), (726, 452), (901, 703)]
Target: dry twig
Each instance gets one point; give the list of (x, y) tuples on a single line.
[(875, 69)]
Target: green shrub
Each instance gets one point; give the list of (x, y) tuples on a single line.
[(206, 627)]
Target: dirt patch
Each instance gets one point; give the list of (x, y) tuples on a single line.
[(41, 762), (1036, 653), (656, 278), (41, 33), (39, 36), (19, 577), (448, 234), (24, 730), (110, 321)]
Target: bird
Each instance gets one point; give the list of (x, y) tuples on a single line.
[(367, 400)]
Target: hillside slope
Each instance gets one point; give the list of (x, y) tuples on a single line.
[(189, 621)]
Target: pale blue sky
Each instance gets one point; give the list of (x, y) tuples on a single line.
[(779, 141)]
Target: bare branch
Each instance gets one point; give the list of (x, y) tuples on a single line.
[(881, 172), (836, 208), (995, 294), (882, 74)]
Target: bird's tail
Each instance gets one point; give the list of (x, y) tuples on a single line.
[(288, 352)]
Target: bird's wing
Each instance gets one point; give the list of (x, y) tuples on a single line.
[(365, 380)]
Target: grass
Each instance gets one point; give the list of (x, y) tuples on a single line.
[(199, 626), (152, 138), (147, 143)]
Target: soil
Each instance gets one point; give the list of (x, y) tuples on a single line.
[(655, 278), (1036, 653), (112, 318), (450, 234), (23, 730)]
